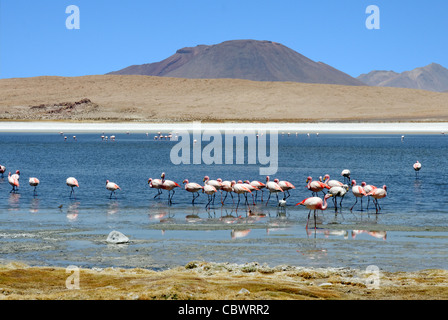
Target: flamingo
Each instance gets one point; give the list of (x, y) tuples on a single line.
[(34, 182), (332, 183), (14, 182), (248, 185), (286, 186), (156, 184), (417, 166), (260, 186), (214, 183), (346, 174), (112, 187), (192, 187), (368, 188), (228, 188), (2, 170), (358, 192), (315, 186), (338, 191), (210, 191), (16, 175), (376, 194), (72, 183), (315, 203), (240, 188), (169, 185), (273, 187)]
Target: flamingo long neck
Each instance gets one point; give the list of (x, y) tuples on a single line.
[(324, 206)]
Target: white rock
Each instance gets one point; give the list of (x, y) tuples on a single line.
[(117, 237)]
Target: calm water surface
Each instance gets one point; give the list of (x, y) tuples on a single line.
[(410, 233)]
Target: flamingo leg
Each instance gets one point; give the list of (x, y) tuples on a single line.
[(354, 204), (268, 198)]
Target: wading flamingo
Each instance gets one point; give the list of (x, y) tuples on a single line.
[(260, 186), (332, 183), (192, 187), (156, 184), (286, 186), (210, 191), (314, 203), (251, 188), (13, 182), (228, 188), (169, 185), (315, 186), (112, 187), (214, 183), (34, 182), (417, 166), (376, 194), (338, 191), (16, 175), (240, 188), (358, 192), (367, 188), (72, 183), (273, 187), (2, 169)]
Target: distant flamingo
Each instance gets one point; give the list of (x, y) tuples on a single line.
[(72, 183), (192, 187), (169, 185), (273, 187), (112, 187), (156, 184), (314, 203), (16, 175), (210, 191), (417, 166), (358, 192), (315, 186), (2, 169), (286, 186), (346, 174), (248, 185), (34, 182), (376, 194), (13, 182)]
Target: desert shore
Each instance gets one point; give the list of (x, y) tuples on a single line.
[(113, 98), (219, 281)]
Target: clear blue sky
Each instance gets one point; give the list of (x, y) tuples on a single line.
[(34, 40)]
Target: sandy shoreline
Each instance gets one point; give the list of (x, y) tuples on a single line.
[(292, 128), (220, 281)]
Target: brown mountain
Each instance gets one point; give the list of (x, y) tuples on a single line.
[(243, 59), (432, 77)]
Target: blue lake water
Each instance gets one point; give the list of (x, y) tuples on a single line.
[(410, 233)]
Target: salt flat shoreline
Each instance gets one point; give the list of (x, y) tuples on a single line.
[(292, 128)]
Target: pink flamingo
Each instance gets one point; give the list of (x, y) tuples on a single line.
[(251, 188), (376, 194), (273, 187), (2, 169), (34, 182), (228, 188), (286, 186), (112, 187), (260, 186), (367, 188), (417, 166), (193, 187), (332, 183), (72, 183), (169, 185), (315, 186), (240, 188), (156, 184), (16, 175), (214, 183), (358, 192), (314, 203), (210, 191), (14, 182)]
